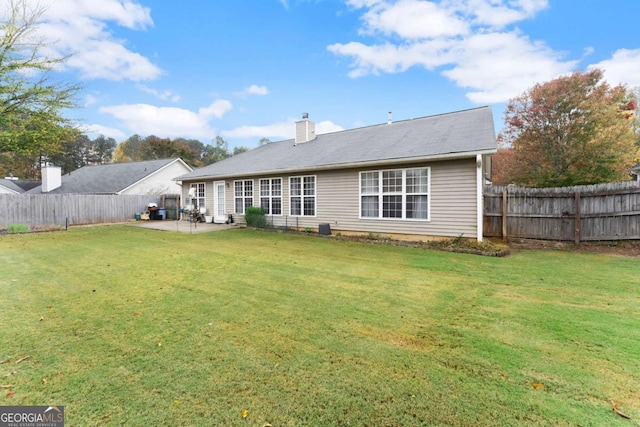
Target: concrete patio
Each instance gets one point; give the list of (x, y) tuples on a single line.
[(188, 227)]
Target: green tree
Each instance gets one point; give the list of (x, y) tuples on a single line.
[(82, 151), (217, 152), (31, 105), (570, 131), (264, 141), (240, 149), (103, 149), (129, 150)]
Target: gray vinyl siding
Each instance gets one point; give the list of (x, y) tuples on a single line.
[(452, 209), (453, 202)]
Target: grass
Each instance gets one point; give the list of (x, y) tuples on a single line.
[(126, 326)]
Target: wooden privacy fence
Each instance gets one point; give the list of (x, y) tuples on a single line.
[(37, 210), (580, 213)]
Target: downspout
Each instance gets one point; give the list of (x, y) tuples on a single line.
[(479, 198)]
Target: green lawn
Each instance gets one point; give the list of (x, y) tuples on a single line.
[(126, 326)]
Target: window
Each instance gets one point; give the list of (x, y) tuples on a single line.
[(196, 194), (302, 196), (243, 195), (271, 195), (395, 194)]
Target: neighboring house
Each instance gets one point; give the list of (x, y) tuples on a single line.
[(635, 172), (148, 177), (419, 177), (16, 186)]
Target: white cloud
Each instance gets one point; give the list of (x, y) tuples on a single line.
[(217, 109), (255, 90), (145, 119), (499, 66), (278, 131), (95, 130), (413, 19), (622, 68), (81, 28), (165, 95), (90, 100), (465, 40), (498, 13)]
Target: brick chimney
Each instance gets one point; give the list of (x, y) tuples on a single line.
[(305, 130), (51, 178)]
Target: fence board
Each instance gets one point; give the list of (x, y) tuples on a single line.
[(41, 210), (580, 213)]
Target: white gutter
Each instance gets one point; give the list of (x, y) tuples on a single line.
[(479, 198)]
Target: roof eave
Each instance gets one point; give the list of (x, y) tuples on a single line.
[(352, 165)]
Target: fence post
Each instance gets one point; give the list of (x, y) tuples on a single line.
[(577, 221), (504, 215)]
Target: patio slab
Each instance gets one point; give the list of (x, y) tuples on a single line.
[(180, 226)]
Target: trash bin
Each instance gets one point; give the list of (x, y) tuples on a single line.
[(137, 216), (162, 213)]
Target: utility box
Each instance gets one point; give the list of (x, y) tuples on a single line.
[(324, 230)]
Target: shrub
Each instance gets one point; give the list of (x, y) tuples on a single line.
[(18, 228), (255, 217)]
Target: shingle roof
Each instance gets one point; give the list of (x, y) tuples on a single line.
[(106, 179), (11, 185), (434, 137)]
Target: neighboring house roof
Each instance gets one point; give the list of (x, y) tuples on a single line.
[(636, 168), (439, 137), (27, 184), (11, 186), (108, 179)]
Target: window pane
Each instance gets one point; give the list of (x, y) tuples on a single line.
[(417, 207), (238, 189), (370, 206), (276, 187), (392, 181), (264, 204), (392, 206), (276, 205), (248, 188), (310, 206), (309, 185), (296, 206), (264, 187), (239, 206), (296, 188), (417, 180), (369, 183)]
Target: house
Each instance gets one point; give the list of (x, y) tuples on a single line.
[(421, 177), (146, 177), (16, 186), (635, 172)]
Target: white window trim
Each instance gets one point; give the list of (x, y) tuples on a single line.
[(204, 193), (243, 197), (271, 196), (404, 194), (302, 196)]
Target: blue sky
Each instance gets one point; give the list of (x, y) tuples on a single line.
[(248, 69)]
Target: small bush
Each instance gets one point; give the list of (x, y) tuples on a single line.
[(18, 228), (255, 217)]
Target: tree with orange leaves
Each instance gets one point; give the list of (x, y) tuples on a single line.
[(573, 130)]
